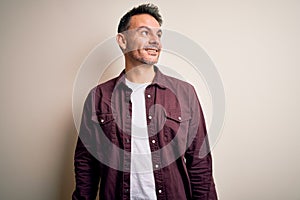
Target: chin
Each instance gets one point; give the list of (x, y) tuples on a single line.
[(149, 61), (145, 59)]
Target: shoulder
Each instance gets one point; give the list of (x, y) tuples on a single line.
[(177, 85), (102, 90), (107, 84), (105, 87)]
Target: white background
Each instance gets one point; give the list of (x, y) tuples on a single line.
[(255, 46)]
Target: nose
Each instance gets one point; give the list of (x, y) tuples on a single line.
[(154, 39)]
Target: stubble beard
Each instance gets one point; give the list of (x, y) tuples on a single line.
[(144, 60)]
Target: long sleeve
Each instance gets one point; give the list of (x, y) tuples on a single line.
[(87, 167), (198, 157)]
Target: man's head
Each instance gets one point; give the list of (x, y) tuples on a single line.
[(149, 9), (139, 35)]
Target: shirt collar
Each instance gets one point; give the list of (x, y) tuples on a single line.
[(159, 79)]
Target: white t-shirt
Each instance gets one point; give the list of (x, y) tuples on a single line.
[(142, 185)]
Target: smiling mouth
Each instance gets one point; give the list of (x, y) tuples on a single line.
[(151, 50)]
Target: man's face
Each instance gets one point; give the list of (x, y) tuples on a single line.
[(143, 39)]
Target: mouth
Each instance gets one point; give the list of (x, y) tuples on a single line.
[(152, 50)]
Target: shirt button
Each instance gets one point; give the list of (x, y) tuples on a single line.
[(159, 191), (126, 190), (149, 96), (149, 117), (102, 120), (156, 166), (127, 140), (179, 118), (153, 141)]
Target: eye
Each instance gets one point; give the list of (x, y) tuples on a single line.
[(159, 35), (145, 33)]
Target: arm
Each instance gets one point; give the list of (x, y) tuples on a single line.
[(87, 167), (198, 157)]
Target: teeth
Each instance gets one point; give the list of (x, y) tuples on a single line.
[(152, 50)]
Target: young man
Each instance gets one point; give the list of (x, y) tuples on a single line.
[(142, 133)]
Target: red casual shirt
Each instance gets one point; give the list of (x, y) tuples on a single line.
[(182, 163)]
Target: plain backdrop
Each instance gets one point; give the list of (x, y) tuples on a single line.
[(254, 44)]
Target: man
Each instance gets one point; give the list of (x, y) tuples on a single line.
[(143, 133)]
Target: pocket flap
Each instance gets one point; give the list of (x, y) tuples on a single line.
[(103, 118), (175, 115)]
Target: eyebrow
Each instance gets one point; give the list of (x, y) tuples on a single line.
[(149, 29)]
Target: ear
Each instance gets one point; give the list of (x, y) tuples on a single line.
[(121, 41)]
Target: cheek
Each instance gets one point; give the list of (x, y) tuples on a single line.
[(140, 52), (135, 46), (140, 42)]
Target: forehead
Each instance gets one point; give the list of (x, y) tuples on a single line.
[(143, 20)]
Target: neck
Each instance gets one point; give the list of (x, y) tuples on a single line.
[(140, 74)]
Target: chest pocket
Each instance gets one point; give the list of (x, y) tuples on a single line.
[(106, 125), (176, 123)]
